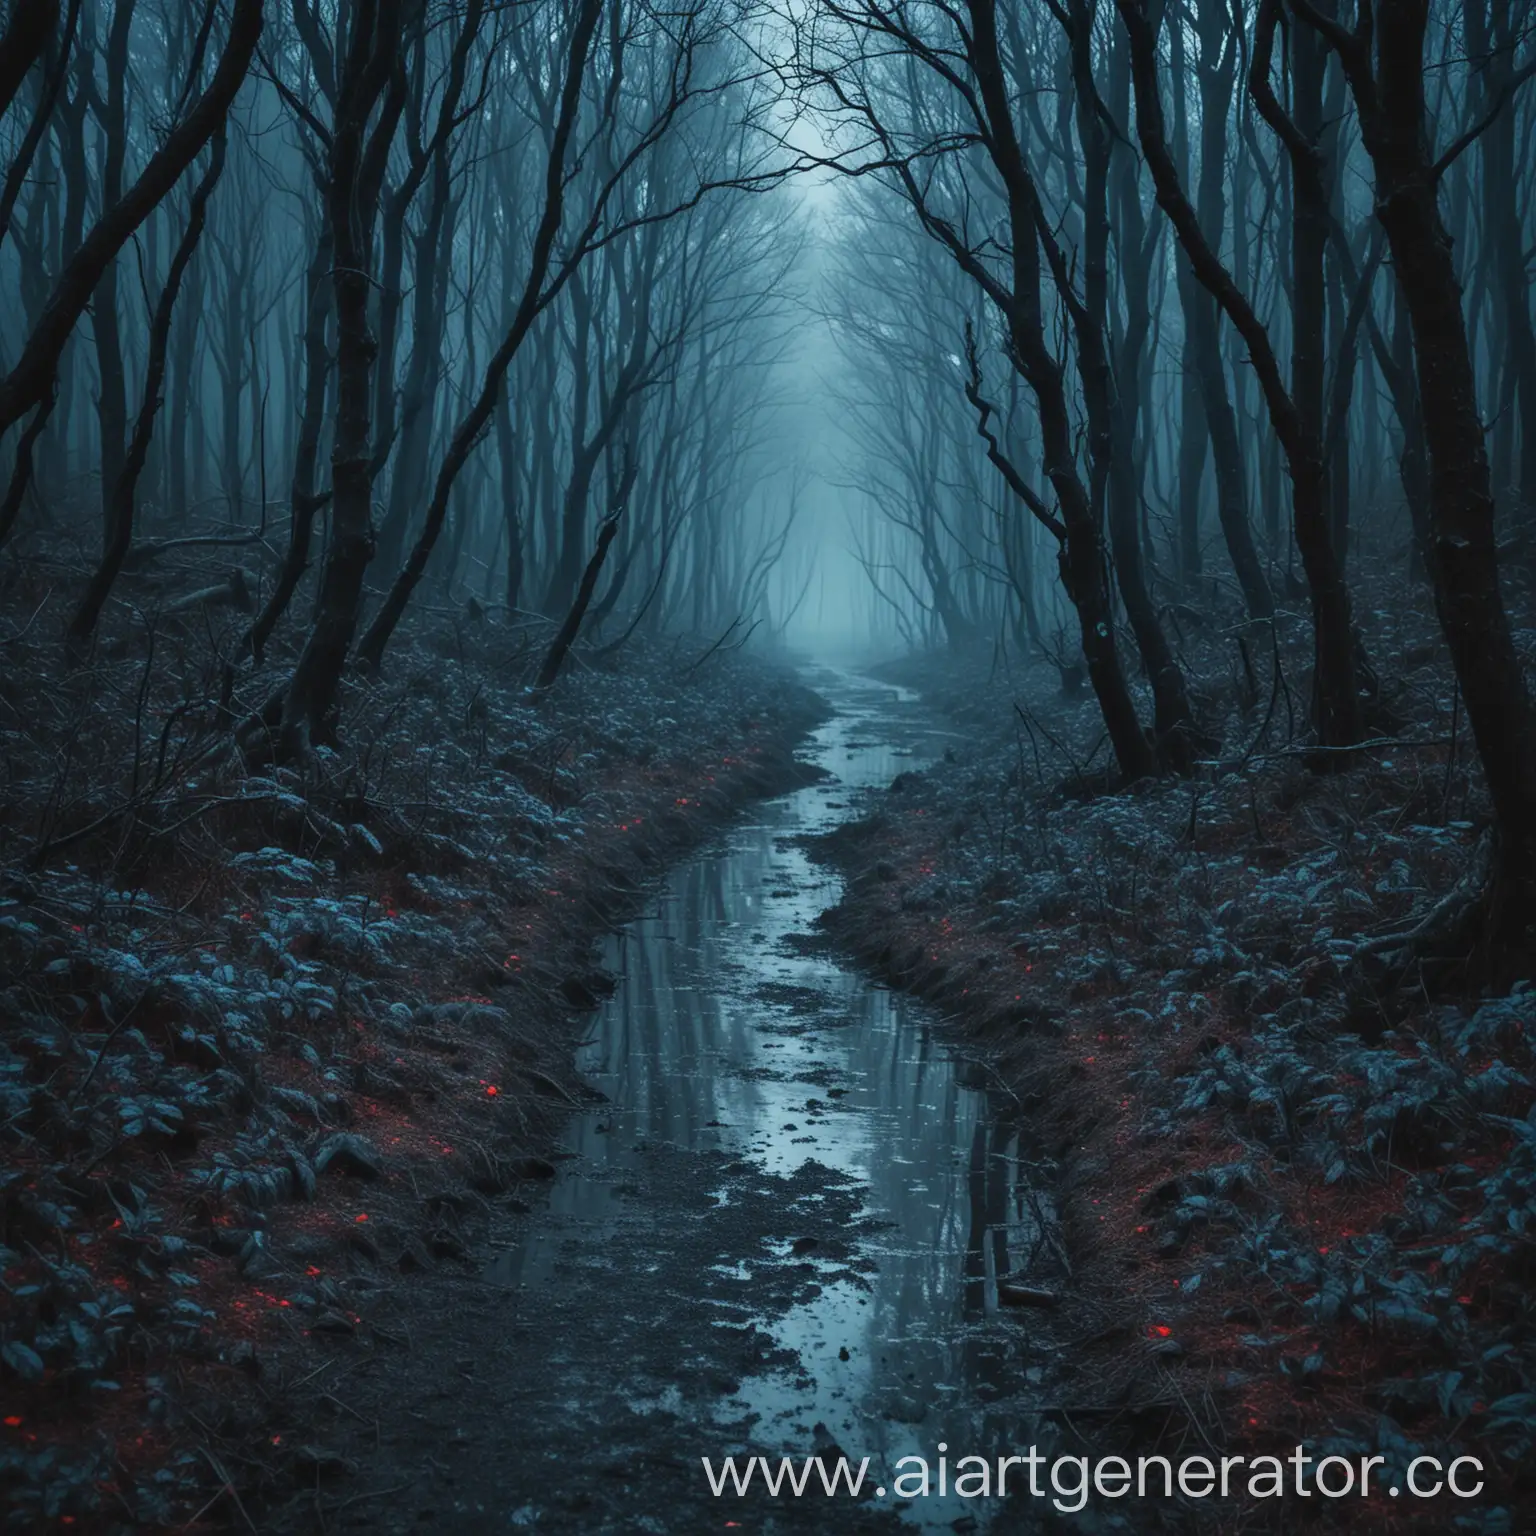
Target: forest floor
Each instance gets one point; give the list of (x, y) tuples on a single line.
[(275, 1047), (1303, 1200), (277, 1051)]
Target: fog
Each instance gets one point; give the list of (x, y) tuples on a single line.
[(1029, 505), (1056, 334)]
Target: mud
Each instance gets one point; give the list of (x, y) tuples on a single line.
[(780, 1229)]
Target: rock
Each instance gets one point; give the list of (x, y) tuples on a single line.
[(349, 1154), (803, 1245)]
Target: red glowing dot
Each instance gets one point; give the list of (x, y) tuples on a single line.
[(13, 1421), (362, 1216), (277, 1439), (1159, 1331), (312, 1269), (490, 1090)]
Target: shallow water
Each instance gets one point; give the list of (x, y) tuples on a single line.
[(727, 1033)]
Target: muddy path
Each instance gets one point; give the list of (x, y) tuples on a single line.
[(781, 1232)]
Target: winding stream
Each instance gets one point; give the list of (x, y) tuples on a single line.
[(727, 1033)]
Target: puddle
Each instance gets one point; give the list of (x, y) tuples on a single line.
[(725, 1035)]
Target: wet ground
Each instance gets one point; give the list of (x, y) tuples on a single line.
[(782, 1234)]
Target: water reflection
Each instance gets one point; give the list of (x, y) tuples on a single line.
[(723, 1033)]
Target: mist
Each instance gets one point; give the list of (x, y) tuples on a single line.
[(763, 728)]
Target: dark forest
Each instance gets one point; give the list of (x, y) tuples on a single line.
[(768, 764)]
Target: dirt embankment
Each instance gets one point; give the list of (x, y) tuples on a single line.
[(273, 1044), (1296, 1205)]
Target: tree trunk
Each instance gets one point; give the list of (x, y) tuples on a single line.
[(31, 380), (26, 35), (1110, 395), (106, 326), (1217, 70), (1463, 558), (352, 197), (124, 490), (1296, 421), (1082, 554), (535, 297), (304, 497), (1503, 228)]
